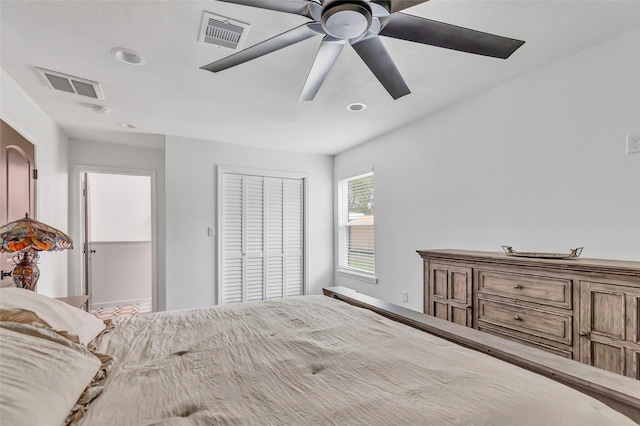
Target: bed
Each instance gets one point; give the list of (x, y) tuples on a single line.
[(298, 361)]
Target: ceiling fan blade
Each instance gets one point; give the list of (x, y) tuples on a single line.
[(278, 42), (374, 54), (434, 33), (397, 5), (307, 8), (327, 54)]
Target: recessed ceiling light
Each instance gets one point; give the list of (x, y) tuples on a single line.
[(127, 56), (99, 109), (355, 107), (126, 125)]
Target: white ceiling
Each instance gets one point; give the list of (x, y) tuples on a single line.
[(256, 103)]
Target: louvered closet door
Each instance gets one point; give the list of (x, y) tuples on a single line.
[(262, 241), (284, 237), (293, 237), (275, 236), (232, 240)]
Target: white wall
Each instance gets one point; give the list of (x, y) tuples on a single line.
[(126, 284), (120, 207), (21, 112), (104, 157), (538, 163), (191, 208)]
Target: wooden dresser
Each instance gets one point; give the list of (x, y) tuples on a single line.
[(583, 309)]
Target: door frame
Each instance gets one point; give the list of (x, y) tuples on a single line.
[(220, 232), (76, 215)]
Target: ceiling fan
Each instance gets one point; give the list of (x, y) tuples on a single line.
[(359, 23)]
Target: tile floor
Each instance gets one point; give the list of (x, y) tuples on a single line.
[(116, 311)]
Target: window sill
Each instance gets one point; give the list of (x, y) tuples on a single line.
[(371, 279)]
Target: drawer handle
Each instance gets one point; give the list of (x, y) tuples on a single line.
[(517, 318), (517, 286), (584, 334)]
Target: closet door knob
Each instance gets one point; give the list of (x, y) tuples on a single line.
[(517, 318), (517, 286)]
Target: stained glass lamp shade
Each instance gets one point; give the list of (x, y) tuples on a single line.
[(27, 237)]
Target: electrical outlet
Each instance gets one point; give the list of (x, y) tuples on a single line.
[(405, 296), (633, 143)]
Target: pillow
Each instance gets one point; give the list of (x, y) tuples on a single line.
[(59, 315), (22, 316), (40, 379), (13, 318)]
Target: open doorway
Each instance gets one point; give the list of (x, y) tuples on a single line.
[(118, 243)]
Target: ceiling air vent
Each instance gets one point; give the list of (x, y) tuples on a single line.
[(222, 31), (71, 84)]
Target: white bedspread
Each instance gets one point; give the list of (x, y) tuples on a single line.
[(313, 360)]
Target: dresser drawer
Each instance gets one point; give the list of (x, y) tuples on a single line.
[(549, 291), (564, 351), (535, 322)]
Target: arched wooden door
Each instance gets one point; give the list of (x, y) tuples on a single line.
[(17, 184)]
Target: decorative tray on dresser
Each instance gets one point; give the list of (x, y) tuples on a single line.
[(582, 309)]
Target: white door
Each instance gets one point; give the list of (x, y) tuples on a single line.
[(261, 237)]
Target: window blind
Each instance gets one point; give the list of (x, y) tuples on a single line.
[(356, 244)]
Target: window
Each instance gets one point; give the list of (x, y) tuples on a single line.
[(356, 248)]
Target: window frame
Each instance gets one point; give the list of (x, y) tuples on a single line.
[(343, 226)]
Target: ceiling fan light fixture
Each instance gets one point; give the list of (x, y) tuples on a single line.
[(356, 107), (346, 21), (127, 56)]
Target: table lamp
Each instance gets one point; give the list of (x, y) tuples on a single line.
[(26, 237)]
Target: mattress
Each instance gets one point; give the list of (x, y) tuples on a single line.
[(313, 360)]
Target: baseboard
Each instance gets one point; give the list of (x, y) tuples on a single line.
[(113, 304)]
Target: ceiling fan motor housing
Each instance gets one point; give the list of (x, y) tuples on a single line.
[(346, 20)]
